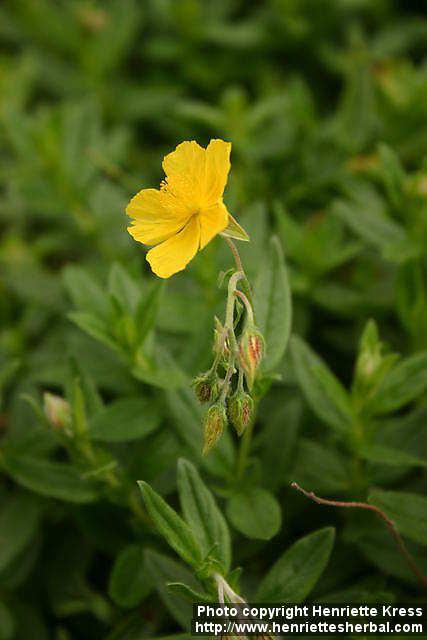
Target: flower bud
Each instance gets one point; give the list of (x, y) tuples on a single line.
[(57, 411), (206, 387), (215, 422), (240, 410), (251, 351)]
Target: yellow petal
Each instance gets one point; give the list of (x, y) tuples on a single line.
[(185, 171), (153, 205), (213, 220), (154, 219), (217, 169), (153, 232), (174, 254)]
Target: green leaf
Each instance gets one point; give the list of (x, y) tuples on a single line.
[(129, 582), (296, 572), (146, 312), (321, 466), (172, 527), (187, 419), (53, 479), (405, 382), (273, 305), (202, 514), (407, 510), (85, 293), (164, 570), (183, 590), (365, 214), (7, 623), (387, 455), (126, 419), (255, 512), (323, 391), (377, 545), (123, 288), (234, 230), (95, 327), (19, 520)]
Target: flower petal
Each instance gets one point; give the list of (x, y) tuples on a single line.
[(154, 220), (153, 232), (185, 171), (174, 254), (217, 169), (213, 220), (154, 205)]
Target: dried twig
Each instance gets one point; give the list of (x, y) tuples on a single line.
[(371, 507)]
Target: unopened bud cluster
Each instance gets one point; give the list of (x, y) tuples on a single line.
[(227, 387)]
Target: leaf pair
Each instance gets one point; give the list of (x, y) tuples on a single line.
[(202, 536)]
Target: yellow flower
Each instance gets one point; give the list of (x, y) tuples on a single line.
[(187, 211)]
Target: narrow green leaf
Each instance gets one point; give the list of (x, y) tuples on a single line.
[(273, 305), (146, 312), (183, 590), (85, 293), (403, 383), (7, 623), (202, 514), (125, 419), (321, 466), (123, 288), (407, 510), (172, 527), (323, 391), (129, 581), (164, 570), (296, 572), (365, 214), (255, 512), (52, 479), (95, 327), (19, 519), (387, 455), (187, 419)]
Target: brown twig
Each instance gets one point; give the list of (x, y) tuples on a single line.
[(371, 507)]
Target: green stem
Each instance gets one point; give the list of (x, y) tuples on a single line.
[(235, 253), (245, 447), (247, 304), (239, 266)]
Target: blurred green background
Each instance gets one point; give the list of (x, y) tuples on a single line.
[(325, 103)]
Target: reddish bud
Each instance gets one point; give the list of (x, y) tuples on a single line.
[(206, 387), (251, 351), (240, 410), (215, 422)]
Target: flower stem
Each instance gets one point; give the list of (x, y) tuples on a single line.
[(247, 304), (239, 266), (389, 523), (235, 253), (245, 446)]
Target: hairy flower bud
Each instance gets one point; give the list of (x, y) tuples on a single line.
[(206, 387), (240, 410), (215, 422), (251, 351), (57, 411)]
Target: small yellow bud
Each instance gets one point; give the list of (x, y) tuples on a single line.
[(251, 351), (215, 422), (240, 410), (57, 411)]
